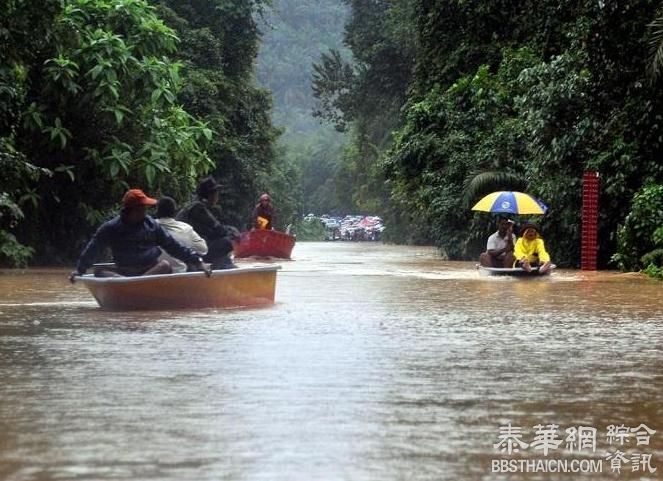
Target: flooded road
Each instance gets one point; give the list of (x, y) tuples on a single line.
[(376, 363)]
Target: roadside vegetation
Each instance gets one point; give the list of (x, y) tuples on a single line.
[(437, 93), (425, 105)]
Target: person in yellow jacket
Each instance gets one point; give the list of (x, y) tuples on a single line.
[(530, 251)]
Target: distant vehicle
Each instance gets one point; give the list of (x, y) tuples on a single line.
[(331, 223), (351, 227)]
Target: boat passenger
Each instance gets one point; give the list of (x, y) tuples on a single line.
[(263, 213), (180, 231), (204, 216), (134, 239), (530, 250), (499, 248)]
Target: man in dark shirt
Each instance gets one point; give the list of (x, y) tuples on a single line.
[(202, 215), (134, 239)]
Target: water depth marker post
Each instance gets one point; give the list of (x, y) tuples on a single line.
[(590, 217)]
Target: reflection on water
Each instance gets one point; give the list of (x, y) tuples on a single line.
[(376, 363)]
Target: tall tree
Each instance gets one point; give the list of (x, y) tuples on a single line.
[(25, 32), (219, 44), (545, 90), (99, 113), (364, 95)]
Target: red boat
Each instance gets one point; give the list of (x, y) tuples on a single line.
[(265, 243)]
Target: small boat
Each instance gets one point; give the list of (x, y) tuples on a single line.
[(265, 243), (241, 287), (512, 271)]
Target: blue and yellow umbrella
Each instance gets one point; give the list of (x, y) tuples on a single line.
[(510, 202)]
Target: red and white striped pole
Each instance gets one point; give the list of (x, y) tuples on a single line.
[(590, 219)]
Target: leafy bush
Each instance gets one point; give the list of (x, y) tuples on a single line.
[(16, 175), (94, 107), (654, 260), (657, 236), (653, 271), (654, 257), (637, 236), (12, 252)]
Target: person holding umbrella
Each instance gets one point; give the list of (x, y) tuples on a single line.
[(530, 250), (499, 248)]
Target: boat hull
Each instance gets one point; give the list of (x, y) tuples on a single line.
[(265, 243), (242, 287), (512, 271)]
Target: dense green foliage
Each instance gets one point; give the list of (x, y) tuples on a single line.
[(318, 157), (309, 230), (98, 111), (642, 231), (573, 96), (20, 48), (440, 101), (219, 40), (538, 90), (100, 95)]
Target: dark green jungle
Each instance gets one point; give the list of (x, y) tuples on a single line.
[(411, 110)]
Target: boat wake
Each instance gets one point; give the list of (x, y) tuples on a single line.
[(48, 304)]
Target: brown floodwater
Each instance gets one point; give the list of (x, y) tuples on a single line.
[(376, 363)]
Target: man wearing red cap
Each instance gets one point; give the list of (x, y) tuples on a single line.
[(134, 239)]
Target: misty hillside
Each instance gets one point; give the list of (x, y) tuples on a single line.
[(295, 33)]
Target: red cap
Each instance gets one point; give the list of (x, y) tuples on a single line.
[(136, 197)]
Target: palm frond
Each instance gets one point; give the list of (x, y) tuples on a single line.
[(655, 63), (478, 185)]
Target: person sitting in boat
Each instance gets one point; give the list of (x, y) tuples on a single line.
[(204, 216), (134, 239), (263, 213), (499, 248), (180, 231), (530, 250)]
